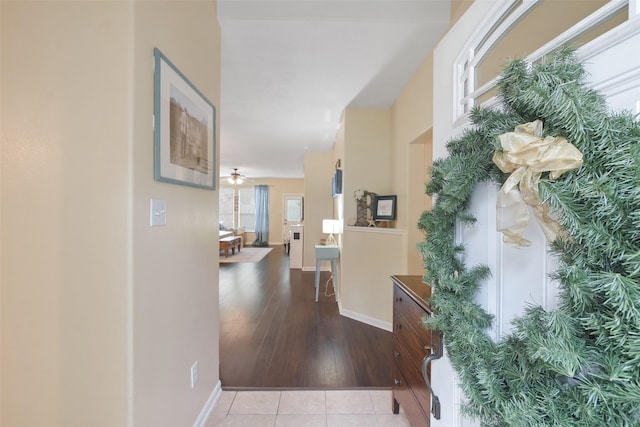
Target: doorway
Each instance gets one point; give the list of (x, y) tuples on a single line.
[(292, 214)]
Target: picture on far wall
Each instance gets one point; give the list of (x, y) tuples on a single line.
[(384, 208), (184, 129)]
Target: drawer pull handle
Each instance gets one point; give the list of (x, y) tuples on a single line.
[(396, 381), (398, 325), (436, 353)]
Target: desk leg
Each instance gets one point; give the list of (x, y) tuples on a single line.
[(317, 281), (334, 278)]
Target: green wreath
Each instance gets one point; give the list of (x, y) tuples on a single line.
[(578, 365)]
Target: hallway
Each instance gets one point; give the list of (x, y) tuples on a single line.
[(273, 334)]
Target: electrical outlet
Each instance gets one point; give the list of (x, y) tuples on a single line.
[(194, 375)]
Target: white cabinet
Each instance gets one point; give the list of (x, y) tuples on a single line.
[(296, 246)]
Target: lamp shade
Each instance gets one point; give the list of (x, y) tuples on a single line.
[(331, 226)]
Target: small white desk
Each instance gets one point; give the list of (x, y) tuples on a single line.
[(327, 253)]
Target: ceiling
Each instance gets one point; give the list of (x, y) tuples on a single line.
[(290, 68)]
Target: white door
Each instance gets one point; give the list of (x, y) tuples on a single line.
[(292, 214), (614, 67)]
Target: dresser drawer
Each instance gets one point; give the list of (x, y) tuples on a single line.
[(406, 307), (402, 355), (413, 378), (416, 342), (403, 395)]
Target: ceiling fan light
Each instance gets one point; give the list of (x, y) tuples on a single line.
[(235, 178)]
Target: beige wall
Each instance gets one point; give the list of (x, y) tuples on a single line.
[(411, 121), (175, 268), (458, 8), (412, 111), (66, 133), (102, 316), (369, 257), (387, 152), (416, 201), (338, 154), (277, 189), (318, 203), (367, 155)]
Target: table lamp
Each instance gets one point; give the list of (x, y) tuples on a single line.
[(331, 226)]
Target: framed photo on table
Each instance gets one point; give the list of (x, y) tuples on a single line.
[(384, 208), (184, 129)]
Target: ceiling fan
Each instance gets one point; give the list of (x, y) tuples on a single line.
[(235, 178)]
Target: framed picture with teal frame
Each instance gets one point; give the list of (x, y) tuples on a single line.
[(184, 129)]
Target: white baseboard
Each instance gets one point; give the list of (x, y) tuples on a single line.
[(365, 319), (208, 406)]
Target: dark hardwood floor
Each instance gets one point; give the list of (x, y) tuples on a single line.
[(274, 335)]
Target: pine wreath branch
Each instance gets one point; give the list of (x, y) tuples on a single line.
[(578, 365)]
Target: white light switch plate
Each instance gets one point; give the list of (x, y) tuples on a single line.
[(158, 213)]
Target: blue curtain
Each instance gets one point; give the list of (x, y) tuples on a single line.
[(262, 215)]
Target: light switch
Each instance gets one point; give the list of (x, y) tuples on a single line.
[(158, 213)]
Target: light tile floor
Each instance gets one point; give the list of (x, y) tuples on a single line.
[(306, 408)]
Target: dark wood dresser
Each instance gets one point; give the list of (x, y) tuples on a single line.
[(412, 345)]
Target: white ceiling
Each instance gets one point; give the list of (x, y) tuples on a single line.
[(290, 67)]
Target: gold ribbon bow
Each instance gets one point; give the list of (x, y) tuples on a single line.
[(526, 155)]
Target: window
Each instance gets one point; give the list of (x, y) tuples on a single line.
[(247, 208), (237, 207), (512, 33), (293, 208), (225, 209)]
